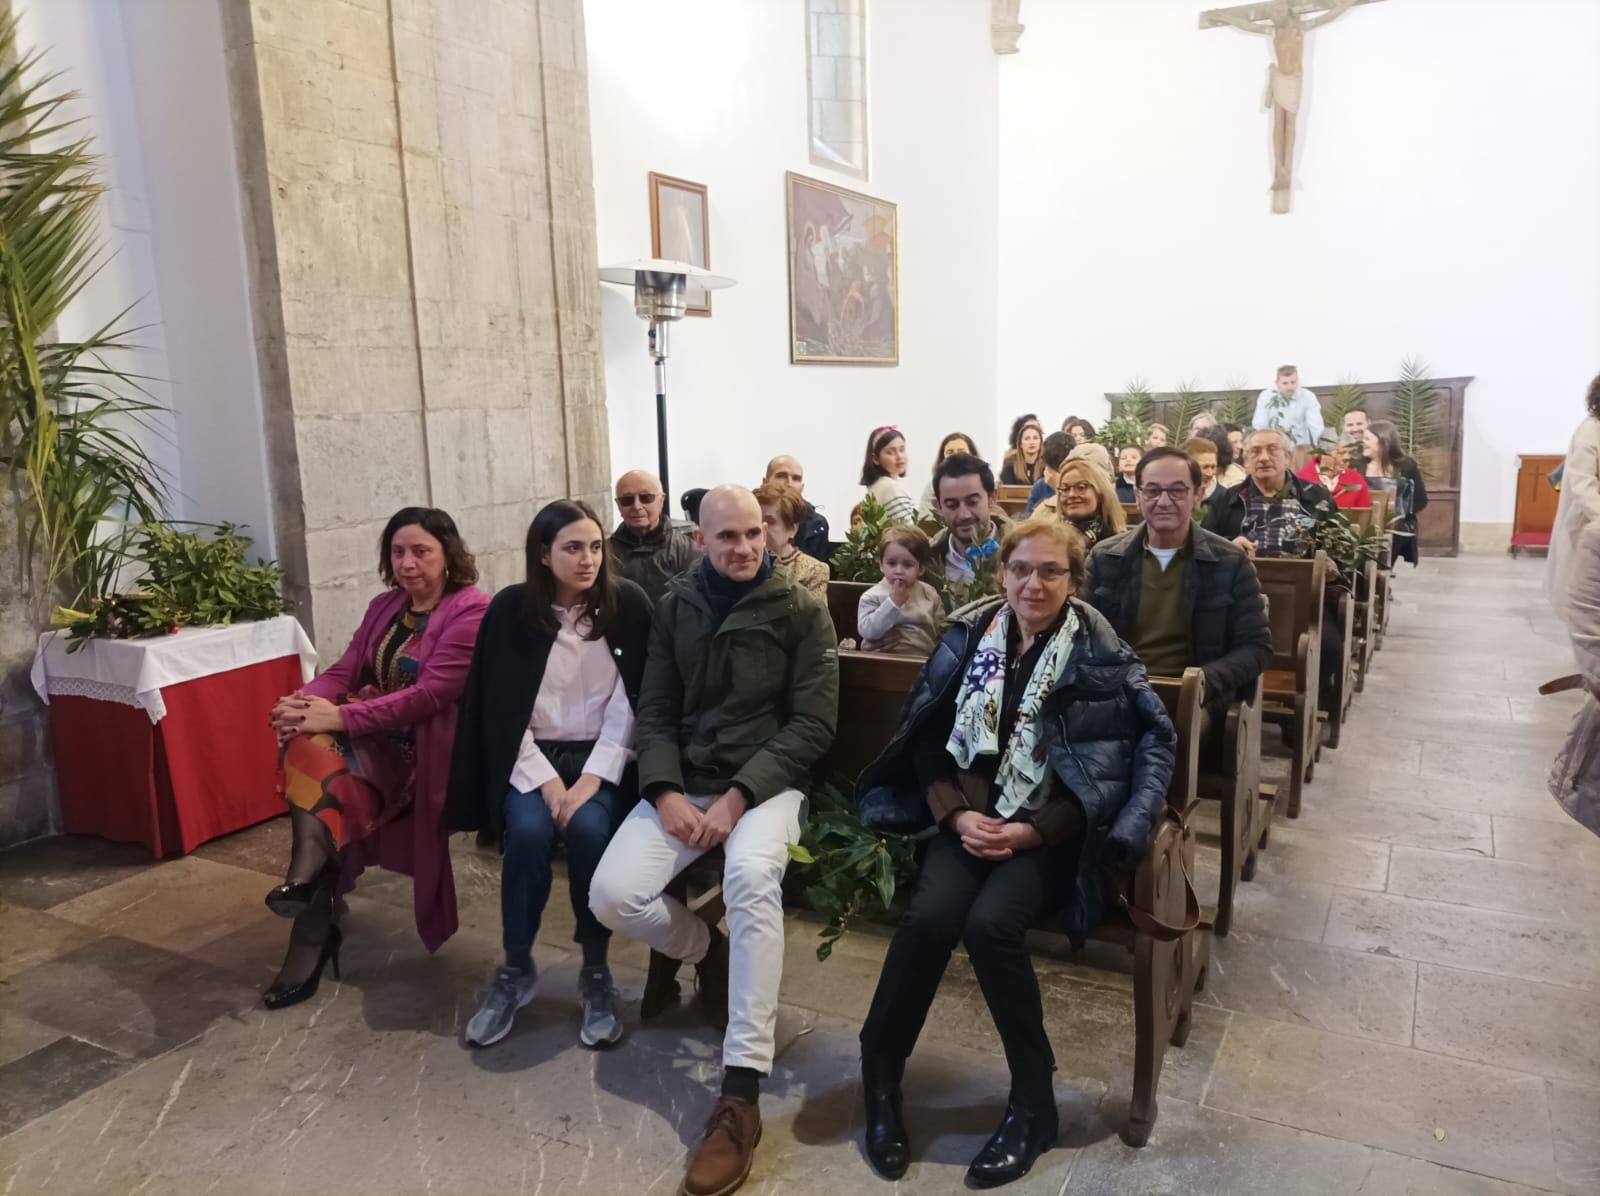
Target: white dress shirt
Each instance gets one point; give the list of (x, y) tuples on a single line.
[(581, 697), (1299, 414)]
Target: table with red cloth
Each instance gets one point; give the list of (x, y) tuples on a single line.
[(165, 741)]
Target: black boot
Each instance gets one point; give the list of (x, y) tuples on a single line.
[(887, 1148), (1023, 1136)]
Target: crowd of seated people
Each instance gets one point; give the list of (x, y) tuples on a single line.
[(650, 694)]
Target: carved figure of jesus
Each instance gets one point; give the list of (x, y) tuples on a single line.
[(1285, 76)]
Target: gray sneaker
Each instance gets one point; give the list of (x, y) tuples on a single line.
[(602, 1008), (510, 990)]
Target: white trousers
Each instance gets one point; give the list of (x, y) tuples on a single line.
[(642, 859)]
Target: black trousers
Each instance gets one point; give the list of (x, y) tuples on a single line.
[(988, 906)]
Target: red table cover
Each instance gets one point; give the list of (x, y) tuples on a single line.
[(207, 769)]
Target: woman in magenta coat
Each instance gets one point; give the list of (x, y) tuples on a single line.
[(366, 748)]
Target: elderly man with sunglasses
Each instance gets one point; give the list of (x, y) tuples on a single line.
[(646, 548), (1181, 596)]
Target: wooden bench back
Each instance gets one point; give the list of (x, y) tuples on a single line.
[(1013, 500), (844, 599), (1293, 589), (1183, 698), (872, 690), (1132, 513)]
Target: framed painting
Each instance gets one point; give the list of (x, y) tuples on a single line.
[(680, 228), (844, 268)]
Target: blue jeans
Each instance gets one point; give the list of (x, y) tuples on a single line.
[(530, 842)]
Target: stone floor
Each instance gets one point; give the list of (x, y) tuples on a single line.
[(1409, 1002)]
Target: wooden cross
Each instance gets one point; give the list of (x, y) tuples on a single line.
[(1285, 21)]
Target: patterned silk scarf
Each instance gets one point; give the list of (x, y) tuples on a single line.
[(1023, 769)]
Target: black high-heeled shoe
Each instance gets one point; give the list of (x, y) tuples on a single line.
[(292, 900), (281, 996)]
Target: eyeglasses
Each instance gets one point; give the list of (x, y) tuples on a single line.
[(1154, 494), (627, 500), (1076, 489), (1048, 571)]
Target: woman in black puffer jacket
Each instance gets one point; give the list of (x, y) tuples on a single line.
[(1035, 743)]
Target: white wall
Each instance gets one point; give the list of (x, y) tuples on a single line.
[(1446, 206), (715, 91), (150, 74)]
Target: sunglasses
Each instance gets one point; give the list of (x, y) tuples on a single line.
[(627, 500)]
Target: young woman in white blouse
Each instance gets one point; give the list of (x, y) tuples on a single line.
[(544, 751), (883, 473)]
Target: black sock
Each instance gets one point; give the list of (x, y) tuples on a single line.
[(521, 960), (742, 1082), (594, 954)]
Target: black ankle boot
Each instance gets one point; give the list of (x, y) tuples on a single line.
[(887, 1148), (1023, 1136)]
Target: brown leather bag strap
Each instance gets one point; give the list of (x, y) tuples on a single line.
[(1562, 684), (1148, 924)]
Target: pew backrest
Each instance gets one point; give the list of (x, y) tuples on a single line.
[(1183, 698), (844, 599), (873, 687), (1013, 500), (1294, 591)]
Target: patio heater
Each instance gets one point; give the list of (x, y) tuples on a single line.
[(662, 291)]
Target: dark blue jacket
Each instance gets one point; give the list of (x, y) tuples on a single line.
[(1107, 735)]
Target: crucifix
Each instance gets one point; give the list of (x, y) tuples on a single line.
[(1284, 22)]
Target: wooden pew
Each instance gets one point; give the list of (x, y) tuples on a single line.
[(844, 599), (1232, 777), (1013, 500), (1294, 593), (1132, 513), (1170, 958), (1344, 689), (1383, 506)]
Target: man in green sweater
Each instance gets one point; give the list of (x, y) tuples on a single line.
[(739, 701)]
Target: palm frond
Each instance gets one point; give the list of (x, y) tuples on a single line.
[(1416, 407), (71, 420), (1188, 401), (1135, 402), (1349, 395)]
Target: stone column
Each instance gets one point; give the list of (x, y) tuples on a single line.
[(421, 235)]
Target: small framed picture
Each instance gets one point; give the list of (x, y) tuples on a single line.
[(680, 229)]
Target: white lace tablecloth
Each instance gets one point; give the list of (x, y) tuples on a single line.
[(133, 672)]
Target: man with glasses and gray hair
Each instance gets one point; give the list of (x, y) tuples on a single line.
[(646, 548), (1181, 596)]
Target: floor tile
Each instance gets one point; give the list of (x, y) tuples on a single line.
[(179, 907), (1523, 1025), (1386, 821), (126, 996), (47, 872), (262, 848), (1556, 844), (1482, 941), (1284, 907), (1451, 1112), (1512, 801), (1298, 852), (51, 1076), (1306, 984), (30, 936), (1574, 1113), (1569, 893), (1486, 765), (20, 1036)]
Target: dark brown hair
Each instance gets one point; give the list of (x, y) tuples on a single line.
[(1389, 447), (1062, 532), (878, 440), (910, 537), (972, 446), (1077, 421), (460, 569), (1594, 397), (539, 590), (790, 506)]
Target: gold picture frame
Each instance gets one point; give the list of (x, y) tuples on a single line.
[(844, 275)]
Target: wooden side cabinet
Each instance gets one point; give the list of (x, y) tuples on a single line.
[(1536, 501)]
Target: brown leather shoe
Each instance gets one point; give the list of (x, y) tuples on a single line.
[(711, 978), (721, 1162)]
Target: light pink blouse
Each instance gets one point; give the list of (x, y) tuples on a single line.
[(581, 697)]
